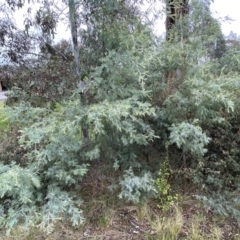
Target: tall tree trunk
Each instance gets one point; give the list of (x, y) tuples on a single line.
[(74, 34), (176, 11)]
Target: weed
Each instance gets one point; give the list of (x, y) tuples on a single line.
[(142, 212), (216, 233), (166, 197), (169, 227), (194, 232)]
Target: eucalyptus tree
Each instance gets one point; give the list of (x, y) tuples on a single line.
[(15, 45), (107, 23), (74, 33), (38, 63)]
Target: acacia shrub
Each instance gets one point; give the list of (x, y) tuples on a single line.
[(200, 120)]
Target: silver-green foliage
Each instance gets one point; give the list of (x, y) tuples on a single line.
[(58, 158), (133, 187), (24, 202), (189, 138)]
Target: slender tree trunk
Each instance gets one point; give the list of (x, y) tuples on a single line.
[(176, 11), (74, 34)]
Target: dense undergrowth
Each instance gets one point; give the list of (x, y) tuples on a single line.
[(153, 120), (107, 217)]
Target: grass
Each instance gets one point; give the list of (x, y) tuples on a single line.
[(122, 223), (168, 227)]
